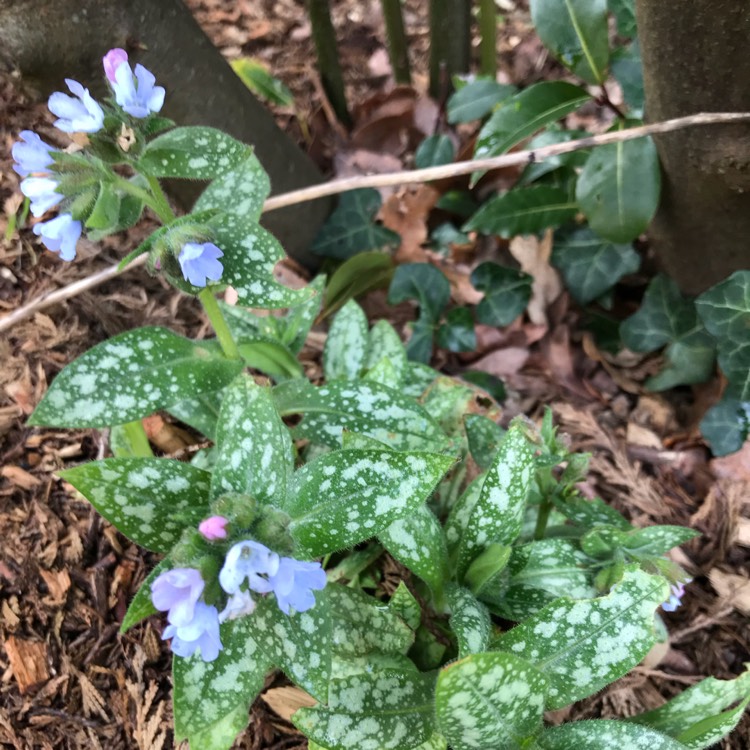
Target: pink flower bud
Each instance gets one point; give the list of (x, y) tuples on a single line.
[(214, 528), (112, 60)]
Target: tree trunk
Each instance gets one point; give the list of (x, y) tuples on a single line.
[(49, 40), (695, 59)]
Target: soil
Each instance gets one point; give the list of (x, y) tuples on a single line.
[(69, 680)]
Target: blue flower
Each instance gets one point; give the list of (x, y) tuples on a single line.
[(141, 99), (32, 154), (238, 605), (200, 262), (60, 235), (112, 60), (176, 592), (675, 598), (201, 632), (41, 192), (294, 582), (248, 560), (77, 115)]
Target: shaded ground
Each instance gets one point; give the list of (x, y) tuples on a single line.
[(68, 679)]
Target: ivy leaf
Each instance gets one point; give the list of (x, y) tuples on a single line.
[(619, 187), (576, 33), (725, 426), (489, 700), (365, 407), (141, 605), (131, 376), (527, 210), (389, 709), (591, 265), (725, 311), (583, 645), (352, 229), (596, 734), (346, 345), (150, 500), (255, 454), (434, 151), (470, 621), (523, 114), (457, 334), (666, 317), (701, 715), (477, 99), (507, 291), (345, 497), (497, 515)]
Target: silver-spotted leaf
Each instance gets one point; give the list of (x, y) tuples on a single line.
[(601, 734), (384, 342), (346, 345), (150, 500), (470, 621)]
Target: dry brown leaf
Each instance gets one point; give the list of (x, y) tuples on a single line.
[(733, 589), (743, 532), (406, 213), (284, 701), (533, 255), (503, 362), (735, 466), (93, 702)]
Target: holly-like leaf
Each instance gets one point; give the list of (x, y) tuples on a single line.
[(389, 709), (362, 273), (365, 407), (194, 152), (489, 700), (598, 734), (255, 454), (527, 210), (591, 265), (725, 311), (346, 345), (497, 515), (352, 229), (725, 426), (583, 645), (523, 114), (477, 99), (619, 187), (666, 317), (131, 376), (507, 291), (470, 621), (701, 715), (576, 33), (434, 151), (345, 497), (150, 500)]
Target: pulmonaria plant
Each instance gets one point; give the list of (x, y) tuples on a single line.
[(275, 536)]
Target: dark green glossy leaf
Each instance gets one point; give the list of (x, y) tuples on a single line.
[(457, 333), (434, 151), (141, 605), (507, 291), (627, 68), (477, 99), (489, 383), (538, 169), (624, 12), (725, 426)]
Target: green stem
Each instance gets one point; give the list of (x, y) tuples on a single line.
[(398, 46), (546, 486), (213, 311), (165, 216), (545, 508), (488, 42), (164, 210), (137, 439)]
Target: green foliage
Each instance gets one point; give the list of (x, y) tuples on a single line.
[(360, 274), (346, 345), (725, 426), (600, 733), (434, 151), (254, 74), (475, 100), (507, 291)]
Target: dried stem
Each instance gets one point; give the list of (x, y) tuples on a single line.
[(400, 178)]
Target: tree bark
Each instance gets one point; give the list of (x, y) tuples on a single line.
[(49, 40), (695, 59)]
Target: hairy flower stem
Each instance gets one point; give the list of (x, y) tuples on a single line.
[(215, 316), (137, 439), (547, 487), (163, 209)]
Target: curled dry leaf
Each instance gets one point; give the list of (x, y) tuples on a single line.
[(533, 255)]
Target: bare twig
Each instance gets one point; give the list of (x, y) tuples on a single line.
[(401, 178)]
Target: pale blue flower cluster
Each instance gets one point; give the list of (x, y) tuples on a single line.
[(200, 262), (677, 591), (249, 568), (76, 114)]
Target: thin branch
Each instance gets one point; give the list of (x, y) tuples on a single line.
[(399, 178)]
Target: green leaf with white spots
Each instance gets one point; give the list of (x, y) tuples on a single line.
[(489, 700), (654, 541), (583, 645), (701, 715), (201, 413), (383, 341), (255, 455), (362, 625), (497, 515), (141, 606), (345, 497), (460, 513), (588, 513), (536, 574), (193, 152), (446, 401), (131, 376), (346, 345), (418, 378), (417, 541), (150, 500), (487, 567), (241, 191), (603, 734), (388, 710), (384, 373), (484, 438), (211, 699), (404, 604), (368, 408), (470, 621), (271, 358), (250, 254), (296, 324)]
